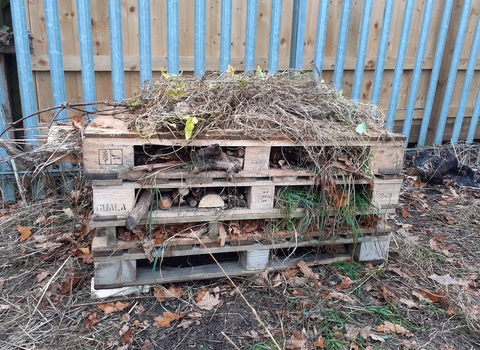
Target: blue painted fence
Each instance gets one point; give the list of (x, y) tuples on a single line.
[(332, 19)]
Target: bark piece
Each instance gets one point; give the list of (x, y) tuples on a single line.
[(213, 158), (140, 210)]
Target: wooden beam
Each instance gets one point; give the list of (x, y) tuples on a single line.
[(132, 63)]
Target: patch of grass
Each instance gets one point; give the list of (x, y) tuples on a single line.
[(261, 346), (350, 269)]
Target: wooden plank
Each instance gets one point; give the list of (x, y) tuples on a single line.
[(386, 192), (231, 268), (41, 62), (387, 159), (260, 197), (113, 200), (103, 255)]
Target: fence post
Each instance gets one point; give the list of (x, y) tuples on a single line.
[(342, 44), (437, 63), (397, 75), (86, 52), (116, 49), (199, 44), (225, 34), (417, 70), (145, 41), (275, 26), (298, 33), (172, 36), (251, 35), (24, 66), (321, 37), (59, 94)]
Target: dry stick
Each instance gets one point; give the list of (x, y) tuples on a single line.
[(257, 316), (230, 340), (48, 284)]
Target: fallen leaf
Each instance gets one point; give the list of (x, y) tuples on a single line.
[(410, 303), (320, 343), (401, 273), (68, 212), (25, 232), (222, 234), (42, 275), (200, 294), (307, 271), (405, 214), (346, 283), (111, 308), (365, 332), (342, 297), (209, 301), (163, 294), (297, 341), (127, 336), (185, 323), (436, 297), (389, 327), (450, 311), (440, 248), (166, 319), (446, 280), (85, 250), (92, 320)]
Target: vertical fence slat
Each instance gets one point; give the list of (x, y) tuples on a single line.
[(251, 35), (437, 61), (417, 69), (321, 37), (145, 41), (225, 34), (452, 73), (55, 56), (362, 49), (6, 183), (397, 75), (298, 34), (116, 49), (342, 44), (466, 84), (382, 51), (474, 121), (172, 36), (86, 52), (199, 44), (275, 26), (24, 67)]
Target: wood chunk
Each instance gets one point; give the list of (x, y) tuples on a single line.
[(211, 201), (165, 202), (140, 210), (213, 158)]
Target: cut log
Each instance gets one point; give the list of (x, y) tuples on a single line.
[(211, 201), (165, 202), (213, 158), (140, 210), (191, 201)]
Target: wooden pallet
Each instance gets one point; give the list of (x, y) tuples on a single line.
[(112, 201), (118, 267), (109, 151)]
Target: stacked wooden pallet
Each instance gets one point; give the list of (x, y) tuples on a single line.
[(243, 180)]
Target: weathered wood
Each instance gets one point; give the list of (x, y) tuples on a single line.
[(211, 201), (140, 210), (213, 158)]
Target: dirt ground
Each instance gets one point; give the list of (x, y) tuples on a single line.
[(426, 296)]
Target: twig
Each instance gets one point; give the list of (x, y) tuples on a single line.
[(48, 284), (230, 340)]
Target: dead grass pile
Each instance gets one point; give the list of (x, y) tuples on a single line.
[(295, 106)]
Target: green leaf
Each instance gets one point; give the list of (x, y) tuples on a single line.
[(189, 126), (362, 129), (259, 72)]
